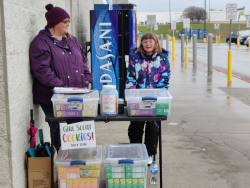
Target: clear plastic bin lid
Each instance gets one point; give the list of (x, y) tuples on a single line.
[(147, 94), (84, 156), (93, 95), (125, 153)]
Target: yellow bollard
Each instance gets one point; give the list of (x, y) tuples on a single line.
[(186, 54), (216, 39), (191, 40), (219, 39), (238, 41), (204, 40), (229, 71), (249, 42), (173, 48)]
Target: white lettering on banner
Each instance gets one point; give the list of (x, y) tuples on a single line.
[(105, 47), (107, 66), (106, 56), (105, 33), (105, 81), (78, 135), (105, 24)]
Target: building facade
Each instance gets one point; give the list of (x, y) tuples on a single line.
[(20, 22), (164, 17)]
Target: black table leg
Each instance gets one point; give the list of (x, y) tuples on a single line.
[(160, 152), (52, 154)]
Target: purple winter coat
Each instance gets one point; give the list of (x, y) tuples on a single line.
[(54, 64)]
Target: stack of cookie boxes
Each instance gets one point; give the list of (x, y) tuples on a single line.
[(125, 165), (148, 102), (79, 168), (76, 105)]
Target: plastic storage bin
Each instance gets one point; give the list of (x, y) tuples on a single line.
[(109, 100), (148, 102), (77, 105), (79, 167), (125, 165)]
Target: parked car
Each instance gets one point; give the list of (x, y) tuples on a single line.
[(243, 41), (234, 37), (247, 42)]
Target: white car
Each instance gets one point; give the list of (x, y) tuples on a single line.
[(247, 42)]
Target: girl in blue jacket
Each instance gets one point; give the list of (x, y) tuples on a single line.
[(149, 68)]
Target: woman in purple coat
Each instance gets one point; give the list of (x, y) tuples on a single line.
[(56, 59)]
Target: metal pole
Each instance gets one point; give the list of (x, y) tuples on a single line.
[(230, 34), (151, 22), (216, 36), (160, 153), (186, 38), (167, 42), (205, 21), (194, 50), (182, 48), (219, 35), (161, 40), (229, 70), (238, 38), (170, 11), (52, 153), (209, 12), (210, 54), (191, 33)]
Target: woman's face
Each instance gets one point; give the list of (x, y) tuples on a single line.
[(62, 27)]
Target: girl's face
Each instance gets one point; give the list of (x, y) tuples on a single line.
[(148, 46)]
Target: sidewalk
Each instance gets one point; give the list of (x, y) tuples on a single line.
[(209, 147)]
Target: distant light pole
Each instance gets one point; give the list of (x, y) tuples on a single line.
[(205, 22), (238, 38), (170, 11), (209, 12)]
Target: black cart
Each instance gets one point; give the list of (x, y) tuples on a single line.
[(120, 117)]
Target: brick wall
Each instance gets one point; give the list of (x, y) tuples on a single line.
[(23, 19), (5, 180), (21, 22)]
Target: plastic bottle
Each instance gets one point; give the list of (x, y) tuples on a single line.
[(110, 4), (153, 172), (109, 100)]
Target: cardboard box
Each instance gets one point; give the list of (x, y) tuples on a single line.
[(39, 172)]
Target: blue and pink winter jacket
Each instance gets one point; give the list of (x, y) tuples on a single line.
[(154, 73)]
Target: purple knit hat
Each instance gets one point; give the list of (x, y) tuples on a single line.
[(55, 15)]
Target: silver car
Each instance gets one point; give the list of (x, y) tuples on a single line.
[(247, 42)]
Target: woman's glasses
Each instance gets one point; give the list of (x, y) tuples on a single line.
[(65, 22)]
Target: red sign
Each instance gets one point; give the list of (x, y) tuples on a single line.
[(170, 30)]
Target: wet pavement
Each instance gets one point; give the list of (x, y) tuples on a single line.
[(209, 147), (240, 56)]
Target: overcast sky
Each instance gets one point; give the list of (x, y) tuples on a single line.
[(180, 5)]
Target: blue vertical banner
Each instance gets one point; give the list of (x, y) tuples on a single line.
[(104, 46), (133, 31)]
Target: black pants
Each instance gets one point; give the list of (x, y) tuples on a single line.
[(46, 109), (135, 134)]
